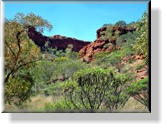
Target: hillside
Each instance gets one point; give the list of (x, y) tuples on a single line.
[(63, 74)]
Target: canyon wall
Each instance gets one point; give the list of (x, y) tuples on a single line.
[(57, 41)]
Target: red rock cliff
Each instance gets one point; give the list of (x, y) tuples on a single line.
[(57, 41)]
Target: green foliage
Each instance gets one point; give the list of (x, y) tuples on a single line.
[(20, 55), (140, 66), (70, 85), (53, 89), (19, 49), (113, 58), (109, 34), (65, 67), (47, 74), (139, 90), (121, 23), (118, 55), (92, 87), (137, 87), (34, 20), (41, 73), (17, 90), (141, 45), (59, 106), (128, 38)]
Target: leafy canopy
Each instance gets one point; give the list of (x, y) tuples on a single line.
[(34, 20)]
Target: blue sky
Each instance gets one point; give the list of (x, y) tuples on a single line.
[(79, 20)]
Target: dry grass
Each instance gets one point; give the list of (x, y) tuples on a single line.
[(133, 106), (36, 104)]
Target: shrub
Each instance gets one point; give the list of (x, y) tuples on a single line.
[(93, 89), (139, 90)]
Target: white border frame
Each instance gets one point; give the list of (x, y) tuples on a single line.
[(133, 117)]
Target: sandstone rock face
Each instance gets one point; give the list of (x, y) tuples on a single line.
[(87, 52), (57, 41)]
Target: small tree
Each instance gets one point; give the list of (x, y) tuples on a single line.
[(93, 89), (20, 53)]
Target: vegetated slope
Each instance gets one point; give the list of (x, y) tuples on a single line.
[(115, 46), (114, 77), (57, 41), (120, 55)]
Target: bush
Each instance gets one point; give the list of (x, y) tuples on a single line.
[(95, 88), (139, 90)]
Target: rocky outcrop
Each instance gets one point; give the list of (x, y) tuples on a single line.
[(87, 52), (138, 60), (105, 45), (122, 30), (57, 41)]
